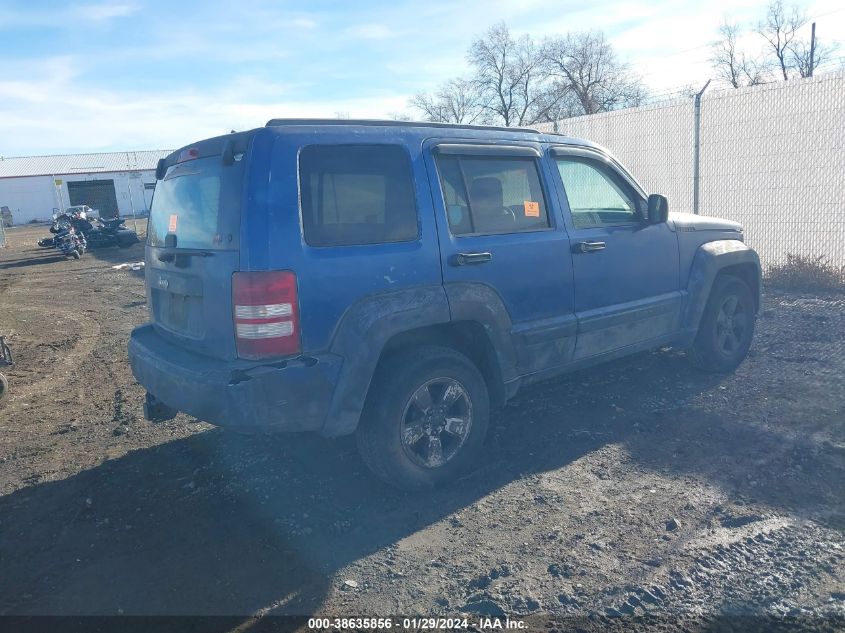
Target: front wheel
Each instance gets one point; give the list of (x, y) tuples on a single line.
[(426, 417), (4, 386), (726, 328), (75, 254)]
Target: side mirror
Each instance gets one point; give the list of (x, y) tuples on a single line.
[(658, 209)]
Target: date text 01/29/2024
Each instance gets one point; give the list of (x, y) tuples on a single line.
[(415, 624)]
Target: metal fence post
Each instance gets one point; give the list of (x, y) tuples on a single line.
[(696, 150)]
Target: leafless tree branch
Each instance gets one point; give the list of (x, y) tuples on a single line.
[(779, 29), (586, 65), (733, 65)]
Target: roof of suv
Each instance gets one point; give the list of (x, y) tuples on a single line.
[(457, 129), (392, 123)]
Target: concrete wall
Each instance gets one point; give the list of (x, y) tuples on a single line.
[(34, 197), (772, 157)]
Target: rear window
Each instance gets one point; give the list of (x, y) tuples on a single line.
[(356, 194), (187, 203)]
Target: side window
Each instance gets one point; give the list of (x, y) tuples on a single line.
[(492, 194), (356, 194), (596, 196)]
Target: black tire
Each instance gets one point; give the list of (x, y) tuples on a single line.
[(390, 411), (722, 342), (4, 386), (75, 254), (125, 240)]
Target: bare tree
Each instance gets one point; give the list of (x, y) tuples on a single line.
[(756, 71), (586, 65), (779, 29), (726, 57), (517, 81), (734, 65), (455, 101), (509, 77), (560, 104), (799, 52)]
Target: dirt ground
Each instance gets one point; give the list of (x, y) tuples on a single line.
[(640, 487)]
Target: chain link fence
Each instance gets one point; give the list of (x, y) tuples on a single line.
[(771, 157)]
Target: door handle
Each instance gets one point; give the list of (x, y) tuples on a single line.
[(463, 259), (589, 247)]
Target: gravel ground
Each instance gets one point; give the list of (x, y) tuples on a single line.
[(637, 488)]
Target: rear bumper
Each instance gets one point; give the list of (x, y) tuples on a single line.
[(286, 395)]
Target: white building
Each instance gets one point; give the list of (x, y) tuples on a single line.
[(113, 183)]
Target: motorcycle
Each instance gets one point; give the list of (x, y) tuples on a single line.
[(71, 243), (61, 223), (108, 232), (98, 233)]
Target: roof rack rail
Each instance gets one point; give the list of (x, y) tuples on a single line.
[(391, 123)]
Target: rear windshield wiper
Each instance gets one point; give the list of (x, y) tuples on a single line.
[(169, 254)]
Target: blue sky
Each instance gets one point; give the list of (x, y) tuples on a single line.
[(145, 74)]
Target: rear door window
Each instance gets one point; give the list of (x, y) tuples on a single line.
[(486, 195), (356, 194), (187, 204)]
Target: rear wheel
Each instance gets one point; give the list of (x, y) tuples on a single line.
[(425, 419), (726, 328), (4, 386)]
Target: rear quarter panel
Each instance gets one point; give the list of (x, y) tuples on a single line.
[(332, 279)]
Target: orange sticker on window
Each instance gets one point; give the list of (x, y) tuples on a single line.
[(532, 209), (171, 228)]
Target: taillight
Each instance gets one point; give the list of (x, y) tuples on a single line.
[(266, 314)]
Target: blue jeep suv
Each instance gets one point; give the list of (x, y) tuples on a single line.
[(397, 280)]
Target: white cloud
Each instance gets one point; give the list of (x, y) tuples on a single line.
[(371, 31), (275, 61), (34, 121), (70, 16), (104, 11), (304, 23)]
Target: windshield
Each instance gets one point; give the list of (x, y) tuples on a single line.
[(187, 204)]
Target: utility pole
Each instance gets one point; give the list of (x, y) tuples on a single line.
[(696, 150), (132, 205), (812, 49)]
